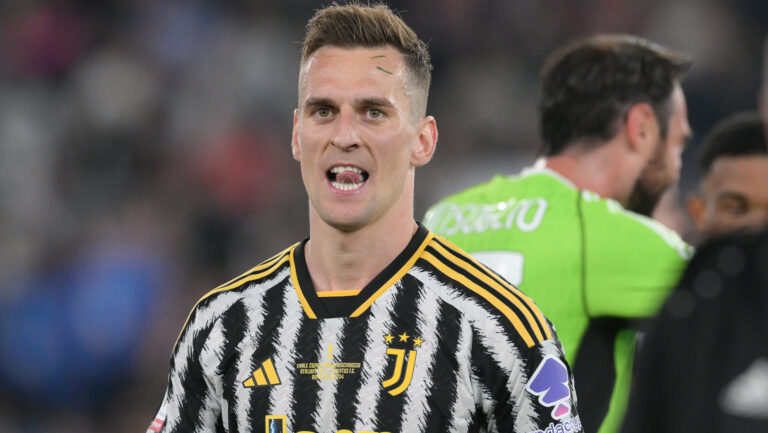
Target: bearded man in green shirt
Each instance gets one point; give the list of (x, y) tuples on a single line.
[(573, 230)]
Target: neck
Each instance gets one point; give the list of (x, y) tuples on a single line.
[(349, 260), (605, 170)]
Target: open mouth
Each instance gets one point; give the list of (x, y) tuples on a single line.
[(346, 177)]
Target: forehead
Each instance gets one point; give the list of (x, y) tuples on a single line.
[(348, 70), (744, 174)]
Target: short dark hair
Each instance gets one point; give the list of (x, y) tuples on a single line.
[(587, 86), (354, 25), (741, 134)]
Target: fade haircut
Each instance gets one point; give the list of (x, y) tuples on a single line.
[(738, 135), (354, 25), (588, 86)]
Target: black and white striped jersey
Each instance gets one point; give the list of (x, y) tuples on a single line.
[(435, 343)]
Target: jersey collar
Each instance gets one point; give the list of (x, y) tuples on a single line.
[(540, 167), (353, 304)]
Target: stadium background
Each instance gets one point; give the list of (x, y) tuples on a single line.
[(144, 159)]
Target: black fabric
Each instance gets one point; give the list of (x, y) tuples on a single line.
[(703, 366), (595, 370)]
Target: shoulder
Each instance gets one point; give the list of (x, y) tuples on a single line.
[(266, 270), (617, 224), (727, 273), (480, 293), (217, 301)]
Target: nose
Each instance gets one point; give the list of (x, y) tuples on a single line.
[(345, 136)]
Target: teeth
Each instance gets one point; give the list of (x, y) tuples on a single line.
[(339, 168), (347, 186)]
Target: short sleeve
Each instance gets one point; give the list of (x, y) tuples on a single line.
[(536, 394), (192, 400)]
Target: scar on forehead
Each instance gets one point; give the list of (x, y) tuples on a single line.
[(382, 69), (378, 57)]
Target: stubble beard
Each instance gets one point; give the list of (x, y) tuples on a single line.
[(652, 183)]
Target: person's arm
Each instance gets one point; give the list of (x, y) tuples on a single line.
[(530, 393), (192, 400)]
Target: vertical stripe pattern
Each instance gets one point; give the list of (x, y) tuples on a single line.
[(443, 345)]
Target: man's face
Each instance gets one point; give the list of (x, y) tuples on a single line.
[(733, 195), (356, 137), (663, 169)]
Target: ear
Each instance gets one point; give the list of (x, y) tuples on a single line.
[(696, 208), (427, 141), (295, 149), (642, 130)]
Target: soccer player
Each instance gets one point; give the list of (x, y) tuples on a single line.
[(373, 323), (733, 192), (613, 123)]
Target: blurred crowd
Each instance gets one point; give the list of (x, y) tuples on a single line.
[(144, 160)]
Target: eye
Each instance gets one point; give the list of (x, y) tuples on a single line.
[(323, 112), (733, 206), (375, 113)]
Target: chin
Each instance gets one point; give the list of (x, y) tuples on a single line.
[(347, 227), (345, 223)]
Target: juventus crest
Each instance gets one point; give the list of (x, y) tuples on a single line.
[(405, 359)]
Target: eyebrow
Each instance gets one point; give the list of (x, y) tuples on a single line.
[(317, 102), (372, 101)]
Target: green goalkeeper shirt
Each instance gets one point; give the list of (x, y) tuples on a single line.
[(590, 265)]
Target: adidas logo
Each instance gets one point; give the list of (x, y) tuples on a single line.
[(264, 376)]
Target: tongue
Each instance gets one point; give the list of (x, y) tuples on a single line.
[(348, 176)]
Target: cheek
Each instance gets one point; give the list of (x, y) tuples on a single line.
[(673, 159), (726, 218), (397, 149)]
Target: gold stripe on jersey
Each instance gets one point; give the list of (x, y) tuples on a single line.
[(542, 321), (488, 296), (254, 274), (295, 280), (266, 263), (337, 293), (395, 278)]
